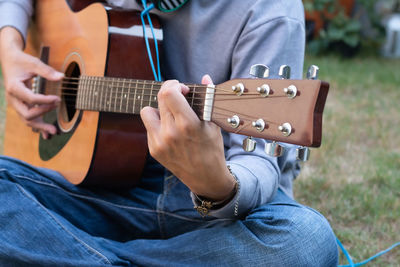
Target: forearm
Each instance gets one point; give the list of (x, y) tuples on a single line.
[(16, 14)]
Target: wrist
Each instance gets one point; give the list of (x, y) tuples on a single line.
[(204, 205), (11, 39), (220, 188)]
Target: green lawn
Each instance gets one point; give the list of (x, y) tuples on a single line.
[(354, 178)]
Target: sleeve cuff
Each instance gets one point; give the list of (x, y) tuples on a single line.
[(16, 16), (244, 200)]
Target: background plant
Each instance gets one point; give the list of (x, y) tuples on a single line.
[(348, 32)]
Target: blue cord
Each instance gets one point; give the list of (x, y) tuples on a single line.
[(352, 264), (145, 12)]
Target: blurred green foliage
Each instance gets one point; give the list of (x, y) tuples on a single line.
[(344, 32)]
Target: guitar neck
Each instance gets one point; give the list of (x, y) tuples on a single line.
[(282, 110), (128, 96)]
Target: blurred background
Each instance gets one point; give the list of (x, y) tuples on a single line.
[(354, 177)]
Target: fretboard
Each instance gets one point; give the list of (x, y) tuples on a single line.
[(127, 95)]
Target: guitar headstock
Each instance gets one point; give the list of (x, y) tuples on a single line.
[(281, 110)]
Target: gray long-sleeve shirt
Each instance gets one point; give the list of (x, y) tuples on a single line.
[(224, 38)]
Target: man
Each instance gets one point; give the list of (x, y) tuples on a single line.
[(255, 221)]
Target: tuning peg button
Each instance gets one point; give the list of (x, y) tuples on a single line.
[(238, 89), (234, 121), (264, 90), (249, 144), (259, 125), (303, 153), (284, 72), (274, 149), (312, 73), (285, 128), (259, 71)]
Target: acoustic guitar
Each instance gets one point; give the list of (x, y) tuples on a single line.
[(101, 139)]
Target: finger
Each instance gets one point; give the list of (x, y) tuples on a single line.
[(19, 91), (42, 126), (176, 102), (151, 120), (45, 135), (34, 112), (33, 121), (206, 80), (45, 71), (167, 119)]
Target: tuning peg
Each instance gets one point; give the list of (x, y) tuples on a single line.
[(284, 72), (234, 121), (259, 125), (274, 149), (303, 153), (285, 129), (259, 71), (238, 89), (312, 73), (249, 144)]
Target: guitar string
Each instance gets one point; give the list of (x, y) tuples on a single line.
[(127, 82), (102, 83), (56, 89), (139, 93), (226, 113)]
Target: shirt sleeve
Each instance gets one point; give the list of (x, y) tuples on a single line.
[(278, 41), (16, 13)]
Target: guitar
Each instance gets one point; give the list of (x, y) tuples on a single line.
[(101, 139)]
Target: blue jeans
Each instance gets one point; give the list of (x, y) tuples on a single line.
[(45, 221)]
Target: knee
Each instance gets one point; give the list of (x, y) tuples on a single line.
[(295, 236), (313, 239)]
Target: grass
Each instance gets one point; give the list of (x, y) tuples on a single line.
[(354, 178)]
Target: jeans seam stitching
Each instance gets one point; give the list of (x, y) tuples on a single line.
[(109, 203), (104, 258)]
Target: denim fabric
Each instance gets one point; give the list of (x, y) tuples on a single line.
[(45, 221)]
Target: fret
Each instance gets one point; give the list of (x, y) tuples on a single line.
[(134, 99), (116, 94), (91, 89), (88, 92), (123, 93), (193, 94), (96, 88), (141, 101), (106, 101), (102, 82), (129, 96), (111, 93), (84, 94), (151, 92)]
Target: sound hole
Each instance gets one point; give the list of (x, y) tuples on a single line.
[(67, 114), (70, 89)]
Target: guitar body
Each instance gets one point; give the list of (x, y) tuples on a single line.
[(92, 148)]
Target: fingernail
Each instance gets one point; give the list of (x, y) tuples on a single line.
[(57, 101), (58, 75)]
